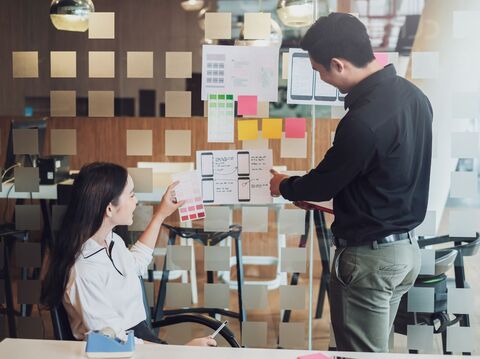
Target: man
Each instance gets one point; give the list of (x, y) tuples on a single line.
[(377, 173)]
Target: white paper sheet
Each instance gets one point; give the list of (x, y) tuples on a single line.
[(221, 118), (240, 70), (304, 85), (230, 177)]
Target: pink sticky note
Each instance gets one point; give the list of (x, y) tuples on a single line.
[(247, 105), (382, 58), (295, 127), (314, 356)]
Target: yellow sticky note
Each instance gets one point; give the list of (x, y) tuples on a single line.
[(247, 130), (272, 128)]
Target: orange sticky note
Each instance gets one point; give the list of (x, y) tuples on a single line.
[(247, 129), (272, 128)]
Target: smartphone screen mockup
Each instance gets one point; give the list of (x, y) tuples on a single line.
[(207, 164), (324, 91), (244, 189), (208, 192), (301, 86), (243, 163)]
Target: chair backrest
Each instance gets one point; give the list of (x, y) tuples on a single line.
[(61, 324)]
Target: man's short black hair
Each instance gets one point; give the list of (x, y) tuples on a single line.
[(338, 35)]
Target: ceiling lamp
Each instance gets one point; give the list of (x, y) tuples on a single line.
[(295, 13), (71, 15), (192, 5)]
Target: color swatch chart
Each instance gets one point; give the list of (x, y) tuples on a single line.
[(189, 190)]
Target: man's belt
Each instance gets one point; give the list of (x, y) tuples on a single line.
[(341, 243)]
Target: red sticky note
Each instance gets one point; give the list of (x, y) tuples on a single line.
[(247, 105), (314, 356), (295, 127), (382, 58)]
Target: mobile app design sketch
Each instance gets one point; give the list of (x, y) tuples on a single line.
[(230, 177)]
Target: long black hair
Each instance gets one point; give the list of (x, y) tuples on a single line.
[(97, 185)]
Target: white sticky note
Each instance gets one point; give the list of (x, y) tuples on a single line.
[(28, 217), (254, 219), (259, 144), (217, 219), (25, 64), (465, 24), (217, 258), (178, 143), (465, 104), (141, 218), (429, 225), (263, 111), (101, 64), (420, 337), (463, 222), (29, 327), (293, 147), (178, 103), (460, 301), (463, 185), (149, 293), (460, 339), (178, 65), (140, 64), (421, 300), (292, 335), (428, 261), (179, 257), (285, 66), (101, 103), (142, 179), (27, 179), (139, 142), (63, 103), (179, 295), (101, 25), (63, 64), (25, 141), (254, 334), (58, 212), (63, 142), (291, 221), (255, 296), (28, 254), (218, 25), (465, 144), (293, 260), (28, 291), (216, 295), (292, 297), (425, 65), (256, 25)]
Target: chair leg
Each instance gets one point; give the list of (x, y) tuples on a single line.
[(239, 265)]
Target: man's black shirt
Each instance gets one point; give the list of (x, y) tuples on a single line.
[(378, 169)]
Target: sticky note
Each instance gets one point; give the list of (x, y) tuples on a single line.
[(25, 64), (179, 257), (247, 105), (63, 103), (291, 221), (58, 212), (258, 144), (100, 104), (463, 185), (293, 260), (256, 25), (285, 65), (428, 261), (420, 337), (254, 334), (140, 64), (139, 142), (178, 103), (254, 219), (141, 218), (142, 179), (218, 25), (425, 65), (217, 219), (462, 222), (63, 64), (460, 301), (382, 58), (263, 110), (465, 144), (101, 64), (27, 179), (29, 327), (178, 295), (255, 296), (429, 225), (247, 129), (272, 128), (28, 254), (292, 335), (292, 297), (295, 127), (178, 143), (178, 65), (25, 141), (421, 300), (28, 291), (216, 295), (217, 258), (465, 24), (293, 147), (28, 217), (460, 339), (63, 142), (101, 25), (465, 104)]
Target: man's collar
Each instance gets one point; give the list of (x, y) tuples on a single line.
[(368, 83)]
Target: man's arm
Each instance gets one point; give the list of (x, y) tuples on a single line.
[(353, 148)]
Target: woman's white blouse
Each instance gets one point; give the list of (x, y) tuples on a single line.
[(105, 291)]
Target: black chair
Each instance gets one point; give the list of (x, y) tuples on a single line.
[(62, 330)]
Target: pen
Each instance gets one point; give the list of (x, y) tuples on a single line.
[(214, 334)]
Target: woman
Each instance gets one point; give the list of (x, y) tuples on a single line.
[(90, 270)]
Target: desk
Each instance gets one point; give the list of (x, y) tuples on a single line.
[(45, 192), (52, 349)]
